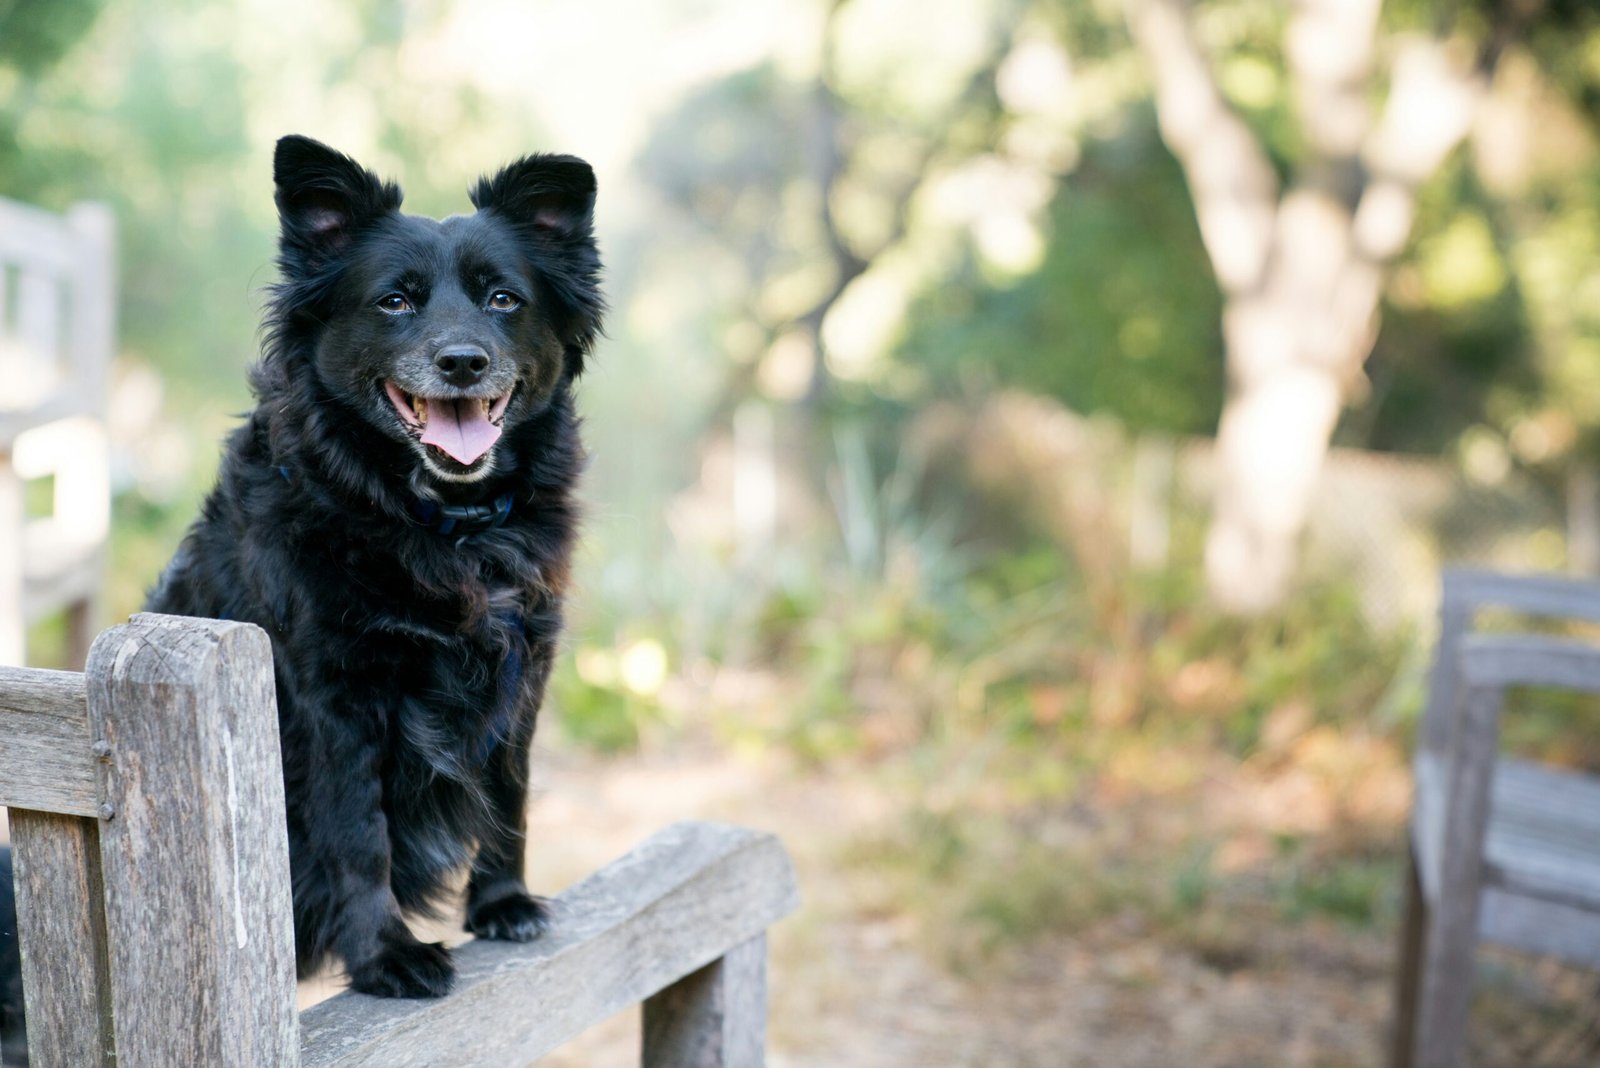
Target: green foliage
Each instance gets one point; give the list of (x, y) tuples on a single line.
[(1563, 38), (1560, 728), (604, 717), (1090, 30), (34, 36), (1352, 890), (1320, 648), (1192, 882), (1124, 299)]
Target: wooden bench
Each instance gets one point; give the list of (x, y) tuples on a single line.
[(152, 870), (1502, 850), (57, 306)]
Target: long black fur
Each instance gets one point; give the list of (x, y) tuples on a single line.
[(410, 664)]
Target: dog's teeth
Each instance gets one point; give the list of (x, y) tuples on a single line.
[(420, 406), (487, 403)]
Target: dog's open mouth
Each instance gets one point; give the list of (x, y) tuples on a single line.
[(462, 428)]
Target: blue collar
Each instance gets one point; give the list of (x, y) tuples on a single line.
[(462, 519)]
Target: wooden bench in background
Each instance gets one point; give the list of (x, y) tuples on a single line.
[(1502, 850), (152, 871), (57, 337)]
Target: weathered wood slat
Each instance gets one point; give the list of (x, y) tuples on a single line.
[(1536, 595), (1555, 929), (1574, 796), (1503, 660), (61, 920), (1543, 837), (45, 759), (200, 933), (683, 898), (713, 1018)]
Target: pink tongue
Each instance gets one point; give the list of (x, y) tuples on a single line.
[(461, 428)]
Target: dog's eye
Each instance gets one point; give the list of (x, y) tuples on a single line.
[(500, 300), (394, 303)]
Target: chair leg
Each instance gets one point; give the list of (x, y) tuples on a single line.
[(1450, 938), (1413, 939)]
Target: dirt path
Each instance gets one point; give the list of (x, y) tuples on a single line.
[(852, 987)]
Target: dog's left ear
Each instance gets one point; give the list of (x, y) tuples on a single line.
[(551, 196), (324, 199), (550, 200)]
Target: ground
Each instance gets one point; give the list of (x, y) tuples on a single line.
[(855, 983)]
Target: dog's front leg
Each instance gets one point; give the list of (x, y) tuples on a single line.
[(340, 853), (498, 903)]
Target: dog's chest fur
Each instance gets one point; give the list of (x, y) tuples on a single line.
[(434, 647)]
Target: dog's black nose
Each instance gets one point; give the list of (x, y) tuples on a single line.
[(462, 365)]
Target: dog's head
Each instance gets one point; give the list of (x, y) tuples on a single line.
[(443, 335)]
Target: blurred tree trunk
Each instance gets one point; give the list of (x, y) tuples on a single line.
[(802, 426), (1301, 269)]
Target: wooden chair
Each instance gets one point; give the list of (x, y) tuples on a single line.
[(1502, 850), (152, 876)]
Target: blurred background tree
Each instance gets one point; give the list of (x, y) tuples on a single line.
[(1303, 271)]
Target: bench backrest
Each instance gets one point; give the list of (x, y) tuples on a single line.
[(1465, 592)]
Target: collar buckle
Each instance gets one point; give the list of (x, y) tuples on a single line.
[(463, 519)]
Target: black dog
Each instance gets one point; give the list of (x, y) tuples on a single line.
[(398, 514)]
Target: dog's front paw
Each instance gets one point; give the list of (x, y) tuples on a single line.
[(406, 969), (516, 917)]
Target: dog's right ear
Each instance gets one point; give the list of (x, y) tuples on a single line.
[(324, 199)]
